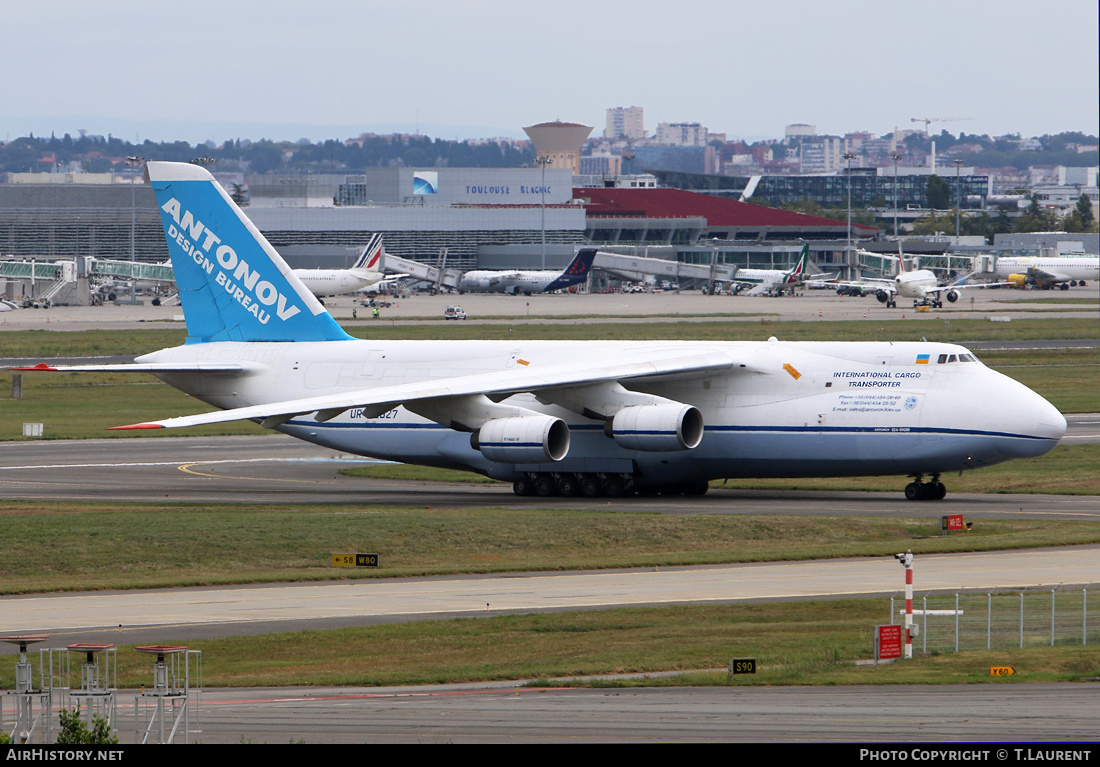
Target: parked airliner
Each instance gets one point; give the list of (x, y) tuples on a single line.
[(527, 282), (921, 285), (366, 271), (773, 282), (1048, 271), (565, 417)]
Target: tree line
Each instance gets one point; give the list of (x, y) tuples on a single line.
[(99, 154)]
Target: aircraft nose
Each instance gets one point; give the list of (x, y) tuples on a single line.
[(1051, 424)]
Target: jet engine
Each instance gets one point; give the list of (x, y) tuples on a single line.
[(523, 439), (656, 428), (882, 296), (952, 296), (1017, 280)]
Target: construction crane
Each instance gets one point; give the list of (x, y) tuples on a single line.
[(928, 120)]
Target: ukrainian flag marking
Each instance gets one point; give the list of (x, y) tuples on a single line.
[(922, 359)]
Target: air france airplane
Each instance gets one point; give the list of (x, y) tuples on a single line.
[(335, 282), (528, 282), (564, 417)]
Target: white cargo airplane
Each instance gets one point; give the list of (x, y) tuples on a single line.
[(337, 282), (565, 417), (921, 285), (1046, 271), (528, 282)]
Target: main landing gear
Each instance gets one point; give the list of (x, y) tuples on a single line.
[(933, 490), (568, 485)]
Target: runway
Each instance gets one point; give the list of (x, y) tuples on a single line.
[(274, 468), (192, 613), (498, 713)]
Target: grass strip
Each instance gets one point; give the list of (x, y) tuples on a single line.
[(794, 643), (85, 546)]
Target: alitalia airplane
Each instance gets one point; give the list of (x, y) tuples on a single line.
[(773, 282), (566, 417)]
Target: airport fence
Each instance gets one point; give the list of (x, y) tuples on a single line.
[(958, 622)]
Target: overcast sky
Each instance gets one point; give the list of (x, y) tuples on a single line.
[(286, 69)]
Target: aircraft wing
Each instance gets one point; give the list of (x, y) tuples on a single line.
[(148, 367), (865, 285), (962, 285), (515, 380), (1042, 276)]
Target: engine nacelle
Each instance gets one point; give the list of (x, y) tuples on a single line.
[(1017, 280), (657, 428), (523, 439), (952, 296), (882, 296)]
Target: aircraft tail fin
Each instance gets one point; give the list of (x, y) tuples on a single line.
[(233, 285), (799, 271), (370, 260), (577, 271)]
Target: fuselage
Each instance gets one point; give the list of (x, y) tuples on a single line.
[(1060, 269), (335, 282), (506, 282), (915, 284), (786, 409)]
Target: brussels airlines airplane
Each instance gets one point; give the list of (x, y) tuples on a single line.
[(518, 282), (566, 417)]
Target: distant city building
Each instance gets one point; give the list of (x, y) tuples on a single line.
[(688, 159), (822, 154), (681, 134), (601, 165), (625, 123)]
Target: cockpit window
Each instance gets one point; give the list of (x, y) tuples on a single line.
[(942, 359), (952, 358)]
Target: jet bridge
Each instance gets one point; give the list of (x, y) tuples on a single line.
[(639, 267), (439, 276)]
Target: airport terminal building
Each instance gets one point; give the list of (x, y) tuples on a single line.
[(462, 217)]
